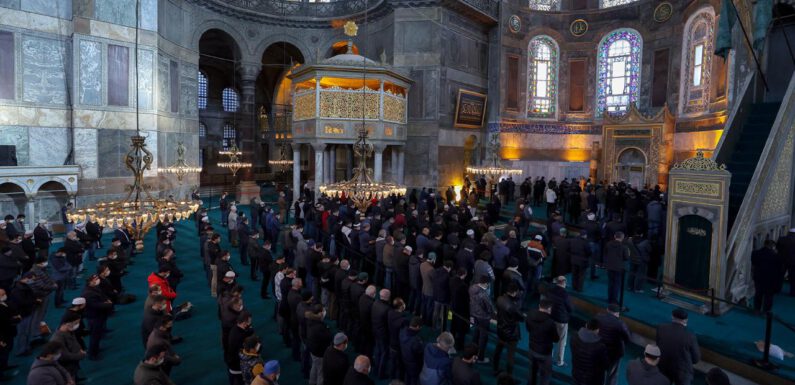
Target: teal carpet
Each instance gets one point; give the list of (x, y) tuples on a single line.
[(201, 352)]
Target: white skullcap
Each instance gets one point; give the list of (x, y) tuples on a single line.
[(79, 301), (230, 274)]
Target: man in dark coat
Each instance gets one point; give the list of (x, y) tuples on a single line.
[(786, 249), (615, 257), (318, 339), (365, 332), (459, 305), (679, 348), (9, 318), (615, 335), (359, 373), (43, 238), (237, 336), (396, 321), (379, 321), (561, 313), (411, 350), (508, 318), (579, 252), (767, 269), (463, 372), (644, 371), (98, 309), (588, 355), (543, 334), (335, 361)]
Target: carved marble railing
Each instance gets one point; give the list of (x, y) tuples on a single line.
[(488, 7), (754, 222), (294, 9)]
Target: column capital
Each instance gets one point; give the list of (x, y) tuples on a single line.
[(379, 148), (249, 70), (318, 146)]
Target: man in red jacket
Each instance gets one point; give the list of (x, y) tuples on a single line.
[(161, 279)]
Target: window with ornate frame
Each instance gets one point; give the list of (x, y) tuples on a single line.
[(230, 100), (697, 52), (614, 3), (542, 77), (230, 136), (202, 130), (545, 5), (618, 71), (202, 80)]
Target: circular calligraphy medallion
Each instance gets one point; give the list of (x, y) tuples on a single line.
[(514, 23), (663, 12), (578, 27)]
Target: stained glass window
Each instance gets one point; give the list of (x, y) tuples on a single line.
[(545, 5), (618, 73), (230, 100), (697, 49), (230, 135), (614, 3), (202, 130), (542, 77), (202, 91)]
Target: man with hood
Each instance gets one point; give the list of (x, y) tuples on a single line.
[(589, 357), (437, 364)]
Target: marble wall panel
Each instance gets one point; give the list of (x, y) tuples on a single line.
[(149, 15), (55, 8), (115, 11), (16, 136), (146, 78), (163, 83), (48, 146), (189, 90), (11, 206), (85, 140), (90, 92), (173, 20), (13, 4), (110, 148), (44, 70)]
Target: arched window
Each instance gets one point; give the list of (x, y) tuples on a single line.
[(542, 77), (230, 134), (618, 71), (545, 5), (202, 130), (697, 49), (230, 100), (202, 91), (614, 3)]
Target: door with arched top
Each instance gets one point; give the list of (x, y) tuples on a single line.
[(631, 167), (693, 251)]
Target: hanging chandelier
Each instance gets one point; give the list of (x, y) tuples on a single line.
[(282, 163), (139, 211), (361, 189), (234, 164), (181, 167), (494, 166)]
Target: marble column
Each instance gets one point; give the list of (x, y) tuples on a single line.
[(333, 165), (393, 165), (319, 164), (401, 165), (296, 171), (248, 131), (378, 163), (327, 164), (349, 165), (30, 211)]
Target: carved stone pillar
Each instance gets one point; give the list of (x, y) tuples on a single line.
[(394, 167), (401, 164), (327, 164), (378, 164), (349, 165), (247, 123), (319, 170), (30, 210), (296, 171), (332, 164)]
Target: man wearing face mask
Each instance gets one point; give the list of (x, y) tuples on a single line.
[(47, 370), (161, 336), (60, 274), (237, 336), (359, 373), (77, 309), (160, 278), (152, 314), (175, 276), (318, 339), (251, 364), (43, 238), (222, 266), (72, 352), (98, 308), (335, 361), (9, 318), (149, 370), (269, 376), (42, 285)]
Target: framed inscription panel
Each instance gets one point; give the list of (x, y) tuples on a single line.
[(470, 109)]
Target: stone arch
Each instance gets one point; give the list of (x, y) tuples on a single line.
[(237, 36), (304, 49), (46, 184), (13, 197), (51, 195)]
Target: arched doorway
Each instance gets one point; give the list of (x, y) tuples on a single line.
[(693, 251), (49, 200), (12, 199), (631, 167)]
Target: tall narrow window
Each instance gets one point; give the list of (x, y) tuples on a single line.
[(545, 5), (230, 135), (202, 80), (577, 85), (618, 73), (230, 100), (7, 65), (202, 130), (118, 75), (697, 55), (542, 78)]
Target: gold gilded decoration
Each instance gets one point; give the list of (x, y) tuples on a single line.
[(304, 107), (663, 12), (394, 109), (351, 29), (697, 188), (334, 129), (30, 181), (348, 105), (389, 131), (578, 27), (699, 163), (778, 193), (696, 231), (71, 179)]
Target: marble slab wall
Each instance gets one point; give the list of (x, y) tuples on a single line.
[(90, 72), (163, 83), (44, 64), (113, 145), (148, 15), (189, 89), (48, 145), (55, 8), (85, 140), (120, 12), (146, 78), (167, 148), (10, 206), (13, 4), (18, 137)]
